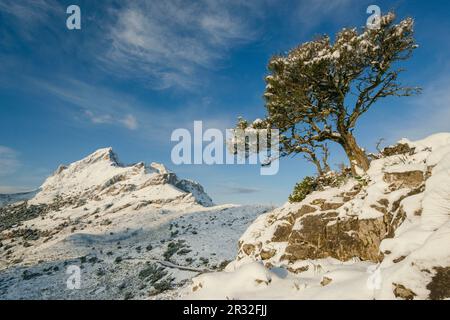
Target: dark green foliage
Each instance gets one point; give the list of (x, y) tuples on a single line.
[(172, 248), (163, 285), (152, 273), (331, 179), (302, 189), (27, 275)]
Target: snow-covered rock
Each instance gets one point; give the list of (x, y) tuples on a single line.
[(384, 237)]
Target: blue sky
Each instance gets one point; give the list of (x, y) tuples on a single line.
[(137, 70)]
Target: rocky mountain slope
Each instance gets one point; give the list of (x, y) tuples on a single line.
[(133, 231), (383, 236)]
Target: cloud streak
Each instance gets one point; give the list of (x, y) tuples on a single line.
[(9, 162), (31, 11), (239, 190), (171, 42), (310, 14), (96, 104), (28, 14), (99, 105)]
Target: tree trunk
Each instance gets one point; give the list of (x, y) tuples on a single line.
[(326, 167), (317, 164), (355, 154)]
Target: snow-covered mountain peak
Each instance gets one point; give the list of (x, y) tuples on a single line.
[(101, 155), (159, 167), (100, 175)]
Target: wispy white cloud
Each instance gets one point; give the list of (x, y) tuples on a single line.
[(9, 162), (170, 42), (29, 14), (94, 103), (312, 13), (130, 122), (240, 190), (99, 105), (98, 119), (30, 11)]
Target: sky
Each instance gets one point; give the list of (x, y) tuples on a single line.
[(138, 70)]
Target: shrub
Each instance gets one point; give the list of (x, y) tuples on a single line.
[(330, 179), (302, 189), (152, 273)]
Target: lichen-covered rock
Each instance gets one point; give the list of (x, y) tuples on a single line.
[(408, 179), (282, 232), (326, 235), (345, 222), (439, 286), (400, 148), (325, 281), (400, 291), (267, 254)]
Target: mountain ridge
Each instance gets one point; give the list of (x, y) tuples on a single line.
[(101, 173)]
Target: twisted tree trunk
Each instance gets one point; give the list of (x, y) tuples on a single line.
[(356, 156)]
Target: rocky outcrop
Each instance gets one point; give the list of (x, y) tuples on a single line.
[(383, 235), (400, 291), (326, 235), (439, 286), (341, 222), (317, 230), (408, 179)]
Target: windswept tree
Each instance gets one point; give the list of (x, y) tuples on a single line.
[(319, 90)]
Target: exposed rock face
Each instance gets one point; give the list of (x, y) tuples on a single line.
[(314, 233), (325, 281), (409, 179), (325, 235), (440, 284), (400, 291), (400, 148), (341, 223)]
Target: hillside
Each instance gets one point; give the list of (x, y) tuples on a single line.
[(384, 236), (134, 231)]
